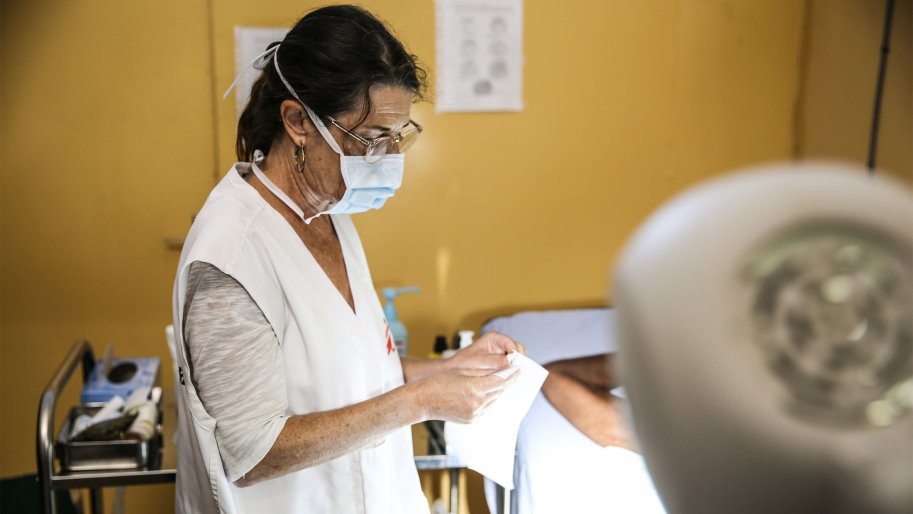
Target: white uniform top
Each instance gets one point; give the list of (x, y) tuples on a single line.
[(333, 357)]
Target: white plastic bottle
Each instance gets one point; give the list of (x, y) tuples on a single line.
[(464, 341), (465, 338)]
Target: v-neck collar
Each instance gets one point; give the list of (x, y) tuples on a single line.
[(344, 243)]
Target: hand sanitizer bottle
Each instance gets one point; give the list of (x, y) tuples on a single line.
[(400, 335)]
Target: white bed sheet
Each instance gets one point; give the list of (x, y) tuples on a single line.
[(557, 468)]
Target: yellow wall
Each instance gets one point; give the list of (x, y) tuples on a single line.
[(626, 103), (106, 150), (113, 132), (843, 44)]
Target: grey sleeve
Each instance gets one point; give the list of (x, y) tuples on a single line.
[(236, 367)]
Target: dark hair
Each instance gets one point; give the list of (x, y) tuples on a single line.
[(331, 57)]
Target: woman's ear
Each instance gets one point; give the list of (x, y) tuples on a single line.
[(296, 121)]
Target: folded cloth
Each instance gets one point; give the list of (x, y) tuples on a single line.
[(487, 444)]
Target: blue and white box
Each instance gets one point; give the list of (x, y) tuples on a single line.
[(123, 377)]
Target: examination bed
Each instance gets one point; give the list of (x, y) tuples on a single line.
[(558, 469)]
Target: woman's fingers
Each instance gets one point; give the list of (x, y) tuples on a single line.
[(474, 372), (496, 388), (494, 382), (487, 400), (502, 343), (461, 395), (486, 361)]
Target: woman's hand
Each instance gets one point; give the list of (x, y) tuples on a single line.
[(460, 395), (461, 387), (488, 352)]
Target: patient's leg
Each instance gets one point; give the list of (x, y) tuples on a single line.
[(579, 390)]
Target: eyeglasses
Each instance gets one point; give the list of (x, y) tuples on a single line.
[(376, 148)]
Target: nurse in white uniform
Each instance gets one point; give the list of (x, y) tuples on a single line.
[(292, 395)]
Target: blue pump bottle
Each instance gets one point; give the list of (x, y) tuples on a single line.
[(397, 329)]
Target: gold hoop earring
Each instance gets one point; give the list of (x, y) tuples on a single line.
[(300, 158)]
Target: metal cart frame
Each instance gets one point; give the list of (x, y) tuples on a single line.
[(49, 479)]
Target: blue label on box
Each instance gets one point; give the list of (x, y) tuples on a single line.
[(124, 377)]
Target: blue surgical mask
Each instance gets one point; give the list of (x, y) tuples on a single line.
[(368, 185)]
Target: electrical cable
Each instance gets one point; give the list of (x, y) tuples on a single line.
[(879, 87)]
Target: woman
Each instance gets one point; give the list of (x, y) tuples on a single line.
[(293, 398)]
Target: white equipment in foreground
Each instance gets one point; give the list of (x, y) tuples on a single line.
[(765, 331)]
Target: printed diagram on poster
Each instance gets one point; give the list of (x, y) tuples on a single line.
[(479, 55), (249, 43)]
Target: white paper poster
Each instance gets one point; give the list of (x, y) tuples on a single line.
[(249, 43), (479, 55)]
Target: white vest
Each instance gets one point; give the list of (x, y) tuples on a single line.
[(332, 357)]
